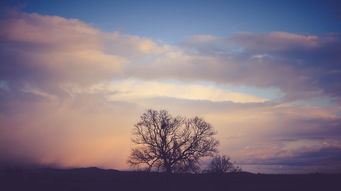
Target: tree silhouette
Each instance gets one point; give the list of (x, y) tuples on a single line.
[(171, 144), (222, 164)]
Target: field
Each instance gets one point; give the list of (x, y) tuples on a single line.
[(47, 179)]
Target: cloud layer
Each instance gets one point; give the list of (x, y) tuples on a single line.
[(71, 93)]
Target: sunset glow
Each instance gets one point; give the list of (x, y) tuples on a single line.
[(74, 81)]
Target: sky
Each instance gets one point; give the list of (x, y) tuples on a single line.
[(76, 75)]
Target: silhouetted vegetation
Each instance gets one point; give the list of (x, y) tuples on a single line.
[(222, 164), (171, 144)]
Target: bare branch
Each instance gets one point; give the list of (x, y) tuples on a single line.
[(173, 144)]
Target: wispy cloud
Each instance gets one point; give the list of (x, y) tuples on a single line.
[(135, 89)]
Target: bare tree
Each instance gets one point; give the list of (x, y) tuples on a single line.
[(171, 144), (222, 164)]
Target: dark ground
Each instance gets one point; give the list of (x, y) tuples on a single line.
[(13, 179)]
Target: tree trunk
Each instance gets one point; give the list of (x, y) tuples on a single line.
[(168, 167)]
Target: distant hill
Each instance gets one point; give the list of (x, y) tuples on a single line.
[(86, 179)]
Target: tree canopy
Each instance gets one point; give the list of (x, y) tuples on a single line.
[(222, 164), (171, 144)]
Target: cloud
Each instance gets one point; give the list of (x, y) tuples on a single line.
[(301, 66), (131, 46), (312, 58), (47, 50), (51, 48), (68, 89), (134, 89), (251, 132), (63, 131), (326, 159), (78, 131), (276, 41), (202, 37)]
